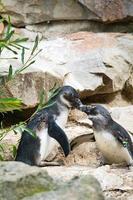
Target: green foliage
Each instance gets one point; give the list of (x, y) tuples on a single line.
[(46, 99), (16, 46), (10, 104), (14, 150), (7, 41)]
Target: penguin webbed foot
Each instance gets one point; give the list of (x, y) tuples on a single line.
[(102, 161), (130, 166)]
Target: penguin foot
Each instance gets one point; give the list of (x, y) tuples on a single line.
[(46, 164), (130, 166), (102, 161)]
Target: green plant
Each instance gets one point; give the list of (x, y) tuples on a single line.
[(7, 104)]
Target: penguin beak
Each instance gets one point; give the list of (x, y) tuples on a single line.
[(77, 103), (85, 109)]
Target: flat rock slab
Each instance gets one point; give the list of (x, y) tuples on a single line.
[(93, 63), (111, 178), (33, 12), (20, 181)]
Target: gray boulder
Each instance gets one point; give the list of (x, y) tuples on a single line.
[(84, 188), (110, 11), (25, 12), (20, 181), (93, 63)]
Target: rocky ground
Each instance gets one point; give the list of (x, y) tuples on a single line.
[(84, 160)]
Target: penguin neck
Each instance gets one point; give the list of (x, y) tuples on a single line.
[(102, 125), (63, 102), (63, 115)]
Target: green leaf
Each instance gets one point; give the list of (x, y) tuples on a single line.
[(18, 129), (10, 104), (42, 99), (22, 55), (1, 157), (52, 91), (31, 132), (1, 148), (9, 35), (7, 47), (10, 73), (8, 27), (19, 40), (15, 46), (31, 63), (23, 68), (35, 45), (14, 151)]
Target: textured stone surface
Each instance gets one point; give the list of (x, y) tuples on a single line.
[(116, 182), (128, 89), (23, 84), (93, 63), (86, 188), (20, 181), (110, 11), (33, 12)]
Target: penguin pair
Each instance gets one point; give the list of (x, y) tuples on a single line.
[(113, 141), (48, 124)]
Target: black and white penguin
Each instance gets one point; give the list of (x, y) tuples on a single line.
[(112, 139), (48, 125)]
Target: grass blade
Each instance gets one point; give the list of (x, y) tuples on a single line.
[(35, 45), (10, 73), (22, 55)]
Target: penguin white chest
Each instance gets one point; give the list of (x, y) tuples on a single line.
[(111, 149), (44, 142), (47, 143), (61, 120)]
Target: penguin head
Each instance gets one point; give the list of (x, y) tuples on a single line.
[(69, 97), (99, 115)]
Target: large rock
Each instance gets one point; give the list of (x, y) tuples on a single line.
[(93, 63), (128, 89), (28, 86), (33, 12), (124, 116), (56, 29), (86, 188), (110, 11), (116, 182), (20, 181)]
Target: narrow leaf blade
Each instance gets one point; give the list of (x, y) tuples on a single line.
[(35, 45)]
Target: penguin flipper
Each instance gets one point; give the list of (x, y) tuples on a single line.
[(124, 138), (81, 139), (59, 135)]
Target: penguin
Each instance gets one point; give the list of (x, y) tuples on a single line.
[(48, 124), (111, 138)]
